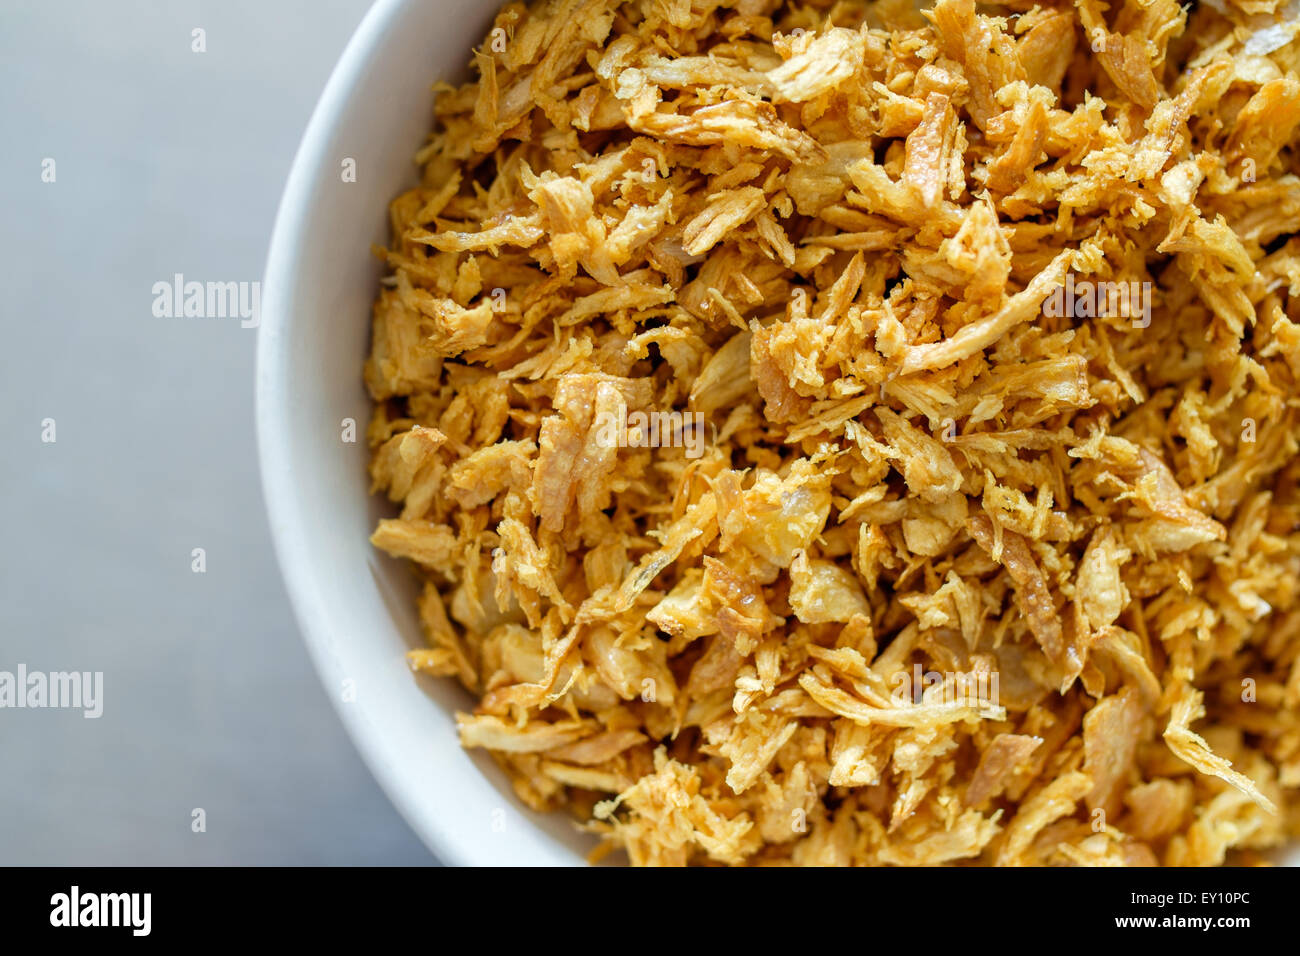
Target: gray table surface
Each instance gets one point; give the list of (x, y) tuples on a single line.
[(166, 161)]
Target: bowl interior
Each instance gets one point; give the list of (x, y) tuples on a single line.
[(355, 606)]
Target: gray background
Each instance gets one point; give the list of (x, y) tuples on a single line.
[(167, 161)]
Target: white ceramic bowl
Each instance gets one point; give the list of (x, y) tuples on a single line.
[(354, 605)]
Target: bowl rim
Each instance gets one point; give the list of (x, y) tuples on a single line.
[(272, 415)]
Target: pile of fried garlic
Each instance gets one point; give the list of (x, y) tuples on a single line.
[(830, 231)]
